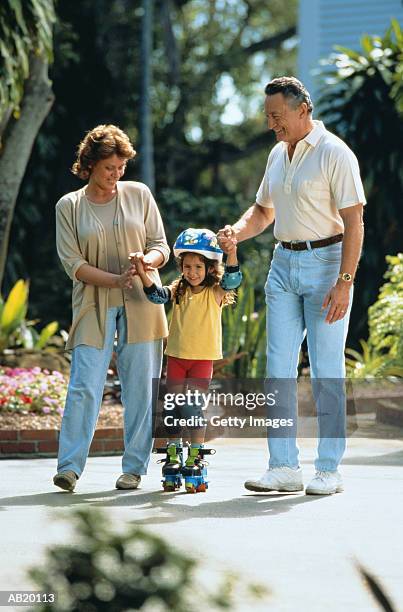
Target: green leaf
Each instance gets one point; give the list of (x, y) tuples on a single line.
[(349, 52), (367, 43), (45, 335), (15, 307), (395, 26), (17, 8)]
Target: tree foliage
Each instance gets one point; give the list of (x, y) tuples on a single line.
[(25, 97), (215, 52), (362, 103), (203, 52), (25, 28)]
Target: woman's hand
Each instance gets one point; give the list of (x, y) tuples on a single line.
[(125, 280)]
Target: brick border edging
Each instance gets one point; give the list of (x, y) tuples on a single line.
[(387, 412), (35, 443)]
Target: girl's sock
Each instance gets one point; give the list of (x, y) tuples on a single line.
[(177, 441)]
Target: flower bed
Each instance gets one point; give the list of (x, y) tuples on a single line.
[(32, 390), (31, 409), (31, 398)]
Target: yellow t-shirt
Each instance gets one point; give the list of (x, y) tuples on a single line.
[(195, 329)]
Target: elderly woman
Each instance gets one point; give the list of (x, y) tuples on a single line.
[(97, 227)]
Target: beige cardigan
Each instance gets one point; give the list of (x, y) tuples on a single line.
[(80, 239)]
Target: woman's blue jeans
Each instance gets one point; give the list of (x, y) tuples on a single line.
[(295, 289), (137, 365)]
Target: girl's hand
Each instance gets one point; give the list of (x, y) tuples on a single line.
[(227, 239), (232, 249), (137, 260), (232, 259), (140, 261), (147, 263)]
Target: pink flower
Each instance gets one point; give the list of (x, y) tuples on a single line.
[(32, 390)]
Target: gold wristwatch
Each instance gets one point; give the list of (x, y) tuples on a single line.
[(345, 276)]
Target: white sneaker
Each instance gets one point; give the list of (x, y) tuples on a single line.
[(325, 483), (277, 479)]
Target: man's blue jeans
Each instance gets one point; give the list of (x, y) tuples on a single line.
[(137, 365), (296, 286)]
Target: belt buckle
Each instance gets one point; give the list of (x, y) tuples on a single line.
[(292, 242)]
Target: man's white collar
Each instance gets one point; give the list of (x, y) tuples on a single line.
[(316, 134)]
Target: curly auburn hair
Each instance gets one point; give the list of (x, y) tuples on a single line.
[(212, 279), (100, 143)]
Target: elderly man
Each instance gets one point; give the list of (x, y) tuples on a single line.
[(313, 192)]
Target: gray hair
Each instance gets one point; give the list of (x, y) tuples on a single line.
[(293, 91)]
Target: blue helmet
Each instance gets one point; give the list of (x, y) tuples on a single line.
[(201, 241)]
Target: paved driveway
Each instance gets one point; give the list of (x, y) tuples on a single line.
[(302, 547)]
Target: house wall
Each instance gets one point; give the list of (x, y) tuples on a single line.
[(325, 23)]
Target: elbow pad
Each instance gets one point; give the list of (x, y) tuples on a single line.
[(157, 295), (231, 279)]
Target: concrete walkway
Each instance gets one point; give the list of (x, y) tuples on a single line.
[(301, 547)]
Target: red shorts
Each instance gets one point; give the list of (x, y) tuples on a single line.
[(179, 369)]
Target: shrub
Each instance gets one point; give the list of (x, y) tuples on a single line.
[(132, 570), (244, 338), (383, 353), (15, 330)]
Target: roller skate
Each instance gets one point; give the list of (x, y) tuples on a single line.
[(195, 469), (172, 466)]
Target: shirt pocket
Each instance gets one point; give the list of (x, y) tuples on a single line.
[(312, 194)]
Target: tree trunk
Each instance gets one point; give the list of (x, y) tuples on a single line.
[(18, 140), (146, 130)]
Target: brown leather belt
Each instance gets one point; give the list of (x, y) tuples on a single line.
[(314, 244)]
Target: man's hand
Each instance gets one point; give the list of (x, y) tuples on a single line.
[(337, 301), (227, 239)]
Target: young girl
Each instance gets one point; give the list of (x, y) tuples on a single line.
[(195, 336)]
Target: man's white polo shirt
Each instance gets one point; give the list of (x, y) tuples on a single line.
[(307, 193)]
